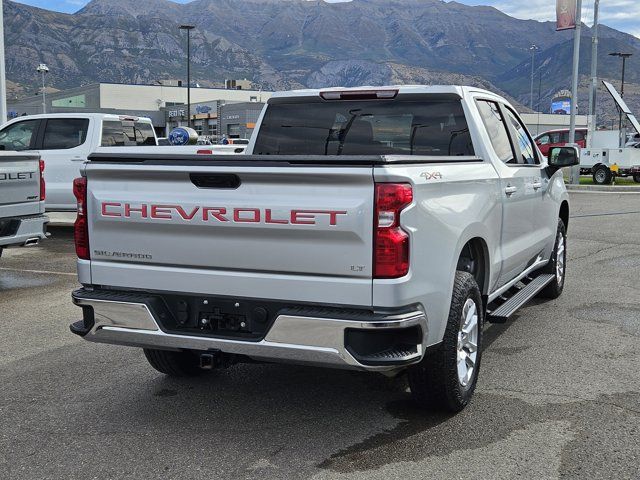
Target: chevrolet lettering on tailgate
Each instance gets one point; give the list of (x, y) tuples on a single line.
[(220, 214)]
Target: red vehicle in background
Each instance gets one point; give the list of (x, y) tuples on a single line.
[(558, 138)]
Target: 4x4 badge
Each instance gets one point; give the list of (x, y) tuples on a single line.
[(431, 175)]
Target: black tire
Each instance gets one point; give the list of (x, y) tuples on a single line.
[(555, 288), (602, 175), (174, 364), (636, 177), (435, 382)]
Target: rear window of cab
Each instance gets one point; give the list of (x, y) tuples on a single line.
[(435, 127)]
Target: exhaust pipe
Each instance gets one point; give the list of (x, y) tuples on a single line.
[(31, 242)]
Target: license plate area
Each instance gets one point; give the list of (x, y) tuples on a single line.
[(219, 317)]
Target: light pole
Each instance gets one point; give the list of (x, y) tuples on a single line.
[(593, 94), (533, 49), (188, 28), (3, 80), (574, 177), (43, 70), (624, 57)]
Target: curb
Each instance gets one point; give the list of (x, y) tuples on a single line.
[(603, 188)]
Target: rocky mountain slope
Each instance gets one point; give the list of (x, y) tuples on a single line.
[(294, 43)]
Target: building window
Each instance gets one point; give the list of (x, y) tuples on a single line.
[(79, 101)]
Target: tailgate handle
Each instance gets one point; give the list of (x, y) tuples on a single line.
[(229, 181)]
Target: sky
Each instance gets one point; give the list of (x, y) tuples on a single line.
[(621, 14)]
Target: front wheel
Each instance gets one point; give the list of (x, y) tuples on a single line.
[(446, 378), (557, 266), (636, 177)]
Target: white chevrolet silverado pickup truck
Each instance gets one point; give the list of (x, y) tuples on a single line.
[(22, 195), (371, 228)]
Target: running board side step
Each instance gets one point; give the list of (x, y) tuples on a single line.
[(503, 307)]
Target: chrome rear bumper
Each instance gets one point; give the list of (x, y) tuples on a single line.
[(299, 339)]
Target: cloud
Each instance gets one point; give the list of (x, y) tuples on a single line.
[(621, 14)]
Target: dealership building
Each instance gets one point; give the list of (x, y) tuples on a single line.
[(163, 102), (230, 112), (217, 119)]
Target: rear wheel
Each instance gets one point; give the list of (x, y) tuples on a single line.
[(557, 265), (446, 378), (174, 364), (636, 177), (602, 175)]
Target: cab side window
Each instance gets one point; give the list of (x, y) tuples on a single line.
[(497, 130), (117, 133), (544, 140), (19, 136), (555, 137), (65, 133), (527, 149)]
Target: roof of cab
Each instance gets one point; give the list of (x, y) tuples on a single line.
[(459, 90), (97, 116)]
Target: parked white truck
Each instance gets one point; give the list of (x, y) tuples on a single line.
[(373, 229), (65, 140), (22, 195)]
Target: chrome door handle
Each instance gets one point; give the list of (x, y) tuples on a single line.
[(537, 186), (510, 190)]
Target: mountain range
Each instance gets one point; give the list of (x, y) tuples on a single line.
[(283, 44)]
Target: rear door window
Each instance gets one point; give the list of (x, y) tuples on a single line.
[(365, 127), (126, 133), (19, 136), (65, 133), (497, 130)]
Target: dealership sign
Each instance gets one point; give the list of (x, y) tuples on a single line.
[(561, 103), (183, 136), (176, 113)]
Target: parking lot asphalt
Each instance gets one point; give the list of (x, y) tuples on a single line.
[(558, 396)]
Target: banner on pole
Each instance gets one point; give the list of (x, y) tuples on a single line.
[(566, 13)]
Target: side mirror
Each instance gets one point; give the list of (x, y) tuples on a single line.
[(560, 157)]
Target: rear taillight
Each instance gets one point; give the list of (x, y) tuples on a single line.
[(43, 188), (81, 229), (391, 243)]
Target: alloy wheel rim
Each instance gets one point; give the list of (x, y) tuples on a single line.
[(467, 343), (600, 176), (560, 258)]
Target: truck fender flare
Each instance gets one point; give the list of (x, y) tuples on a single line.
[(478, 235)]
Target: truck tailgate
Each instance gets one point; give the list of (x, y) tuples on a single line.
[(299, 233), (19, 184)]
